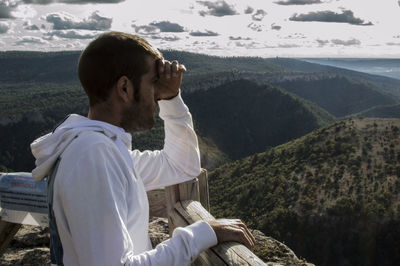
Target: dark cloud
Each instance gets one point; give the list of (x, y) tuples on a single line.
[(64, 21), (31, 27), (146, 29), (259, 15), (4, 27), (398, 2), (322, 42), (219, 8), (288, 45), (393, 43), (346, 43), (28, 26), (72, 34), (166, 26), (275, 27), (6, 7), (249, 10), (238, 38), (346, 16), (203, 33), (298, 2)]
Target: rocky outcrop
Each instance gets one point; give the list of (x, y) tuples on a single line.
[(30, 246)]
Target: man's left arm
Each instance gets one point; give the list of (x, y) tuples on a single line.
[(179, 160)]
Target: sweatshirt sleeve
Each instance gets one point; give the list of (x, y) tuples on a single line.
[(95, 215), (179, 160), (182, 248)]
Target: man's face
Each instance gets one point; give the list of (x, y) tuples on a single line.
[(140, 114)]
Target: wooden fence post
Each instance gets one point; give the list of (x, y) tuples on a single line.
[(7, 232)]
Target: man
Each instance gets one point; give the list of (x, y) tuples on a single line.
[(97, 190)]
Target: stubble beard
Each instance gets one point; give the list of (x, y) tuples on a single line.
[(137, 117)]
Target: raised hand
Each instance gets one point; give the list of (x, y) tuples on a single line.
[(232, 230), (170, 79)]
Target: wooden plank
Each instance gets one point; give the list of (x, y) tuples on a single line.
[(203, 189), (7, 232), (157, 203), (231, 253), (189, 190), (207, 257), (171, 197)]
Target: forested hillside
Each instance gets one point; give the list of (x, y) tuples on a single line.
[(339, 95), (243, 117), (332, 195)]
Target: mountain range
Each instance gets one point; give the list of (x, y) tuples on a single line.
[(291, 146)]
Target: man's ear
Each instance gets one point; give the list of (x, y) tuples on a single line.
[(124, 89)]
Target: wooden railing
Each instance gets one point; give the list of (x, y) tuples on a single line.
[(182, 204)]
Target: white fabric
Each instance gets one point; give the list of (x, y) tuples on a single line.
[(100, 200)]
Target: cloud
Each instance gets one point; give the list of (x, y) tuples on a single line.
[(203, 33), (72, 34), (346, 43), (298, 2), (45, 2), (4, 27), (288, 45), (146, 29), (249, 10), (166, 26), (393, 43), (256, 27), (30, 40), (275, 27), (238, 38), (218, 8), (322, 42), (169, 38), (346, 16), (6, 7), (65, 21), (259, 15), (28, 26)]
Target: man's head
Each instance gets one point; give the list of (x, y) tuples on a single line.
[(113, 62), (109, 57)]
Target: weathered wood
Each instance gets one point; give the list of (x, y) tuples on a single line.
[(7, 232), (203, 189), (157, 203), (207, 257), (189, 190), (230, 253), (171, 197)]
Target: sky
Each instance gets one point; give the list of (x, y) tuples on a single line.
[(264, 28)]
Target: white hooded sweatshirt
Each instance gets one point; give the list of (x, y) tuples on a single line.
[(100, 200)]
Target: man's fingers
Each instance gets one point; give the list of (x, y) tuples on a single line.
[(174, 68), (182, 68), (242, 237), (161, 66), (167, 69), (253, 240)]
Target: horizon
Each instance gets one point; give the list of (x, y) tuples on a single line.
[(279, 28)]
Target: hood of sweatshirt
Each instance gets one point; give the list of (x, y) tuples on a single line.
[(48, 148)]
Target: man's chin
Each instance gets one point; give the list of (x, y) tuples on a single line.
[(143, 126)]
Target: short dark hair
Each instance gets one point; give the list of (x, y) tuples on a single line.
[(110, 56)]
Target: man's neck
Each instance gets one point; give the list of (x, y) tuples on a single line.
[(104, 114)]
